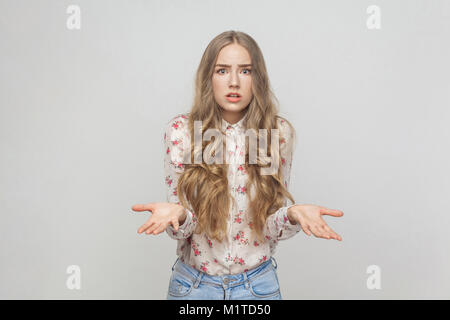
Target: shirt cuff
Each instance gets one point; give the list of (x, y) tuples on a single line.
[(287, 225), (186, 222)]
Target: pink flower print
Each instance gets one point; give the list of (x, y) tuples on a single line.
[(285, 218), (283, 161), (256, 243), (183, 116), (241, 190), (239, 261), (215, 260), (176, 124), (245, 270), (264, 258), (177, 142), (250, 224), (238, 218), (167, 150), (228, 257), (240, 237), (177, 165), (282, 140), (195, 248), (281, 120), (203, 266), (169, 181), (210, 244), (241, 169), (268, 237)]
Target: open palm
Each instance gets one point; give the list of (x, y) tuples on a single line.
[(309, 216)]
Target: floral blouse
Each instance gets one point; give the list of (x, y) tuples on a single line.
[(237, 254)]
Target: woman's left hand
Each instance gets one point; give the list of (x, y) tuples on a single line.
[(309, 217)]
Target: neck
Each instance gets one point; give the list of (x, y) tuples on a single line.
[(232, 116)]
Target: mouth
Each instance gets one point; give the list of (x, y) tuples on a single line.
[(233, 97)]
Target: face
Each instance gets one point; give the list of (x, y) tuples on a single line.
[(232, 74)]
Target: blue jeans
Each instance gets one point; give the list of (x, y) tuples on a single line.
[(260, 283)]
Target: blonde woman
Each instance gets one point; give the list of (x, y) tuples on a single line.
[(228, 216)]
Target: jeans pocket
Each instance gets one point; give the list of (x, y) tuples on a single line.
[(265, 285), (179, 284)]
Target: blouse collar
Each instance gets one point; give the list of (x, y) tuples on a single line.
[(238, 126)]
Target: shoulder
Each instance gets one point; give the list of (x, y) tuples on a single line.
[(178, 121), (286, 128), (177, 126), (287, 134)]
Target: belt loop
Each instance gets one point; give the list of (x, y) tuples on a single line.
[(173, 267), (246, 280), (274, 261), (198, 279)]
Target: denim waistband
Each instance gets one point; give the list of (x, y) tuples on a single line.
[(226, 280)]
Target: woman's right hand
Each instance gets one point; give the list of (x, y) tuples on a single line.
[(163, 214)]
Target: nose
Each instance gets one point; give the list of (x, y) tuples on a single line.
[(234, 80)]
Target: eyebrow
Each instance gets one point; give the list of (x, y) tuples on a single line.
[(227, 65)]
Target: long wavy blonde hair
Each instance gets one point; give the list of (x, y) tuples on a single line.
[(205, 186)]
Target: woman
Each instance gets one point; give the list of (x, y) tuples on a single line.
[(228, 217)]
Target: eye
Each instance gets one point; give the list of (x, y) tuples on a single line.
[(249, 70), (218, 71)]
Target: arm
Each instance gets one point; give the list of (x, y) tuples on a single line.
[(175, 133), (278, 224)]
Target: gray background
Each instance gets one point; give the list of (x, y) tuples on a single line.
[(82, 119)]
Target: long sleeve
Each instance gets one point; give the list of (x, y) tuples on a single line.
[(278, 224), (174, 135)]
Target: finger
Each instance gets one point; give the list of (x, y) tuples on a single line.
[(305, 228), (316, 231), (161, 228), (331, 212), (331, 232), (143, 207), (153, 227), (145, 226), (323, 233), (175, 224)]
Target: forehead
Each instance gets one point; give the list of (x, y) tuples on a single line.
[(233, 54)]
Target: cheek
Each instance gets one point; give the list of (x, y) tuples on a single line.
[(217, 85), (248, 87)]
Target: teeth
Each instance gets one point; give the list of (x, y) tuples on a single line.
[(233, 95)]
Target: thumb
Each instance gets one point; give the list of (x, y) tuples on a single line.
[(331, 212), (175, 224), (143, 207)]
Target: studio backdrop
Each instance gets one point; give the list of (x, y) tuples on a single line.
[(87, 88)]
